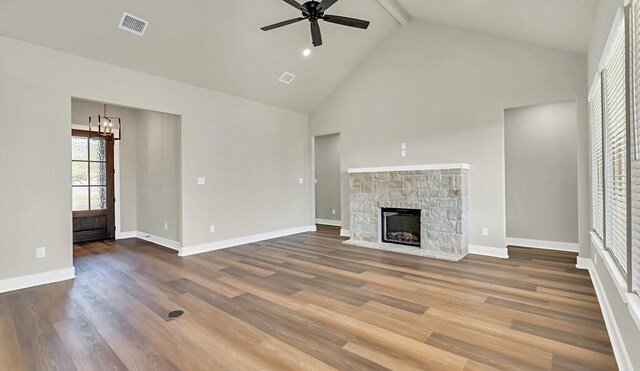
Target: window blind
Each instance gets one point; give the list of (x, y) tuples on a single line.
[(615, 152), (635, 165), (597, 180)]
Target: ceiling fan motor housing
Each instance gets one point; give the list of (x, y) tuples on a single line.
[(312, 10)]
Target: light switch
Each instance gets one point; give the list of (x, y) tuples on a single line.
[(212, 228), (41, 252), (201, 180), (403, 146), (404, 153), (485, 231), (300, 180)]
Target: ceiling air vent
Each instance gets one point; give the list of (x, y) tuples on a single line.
[(287, 78), (133, 24)]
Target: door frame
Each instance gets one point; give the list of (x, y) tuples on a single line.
[(120, 234), (111, 185)]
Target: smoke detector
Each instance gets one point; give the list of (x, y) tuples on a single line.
[(133, 24), (287, 78)]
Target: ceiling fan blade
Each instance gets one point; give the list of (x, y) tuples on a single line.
[(325, 4), (316, 36), (281, 24), (346, 21), (296, 5)]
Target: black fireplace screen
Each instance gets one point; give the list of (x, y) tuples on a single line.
[(401, 226)]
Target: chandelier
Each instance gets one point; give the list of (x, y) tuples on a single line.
[(106, 125)]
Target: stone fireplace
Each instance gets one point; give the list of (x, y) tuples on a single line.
[(420, 210)]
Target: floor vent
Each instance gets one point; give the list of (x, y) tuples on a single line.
[(287, 78), (133, 24), (175, 314)]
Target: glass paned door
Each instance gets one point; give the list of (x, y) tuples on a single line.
[(92, 187)]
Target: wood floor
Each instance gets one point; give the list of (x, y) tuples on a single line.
[(306, 302)]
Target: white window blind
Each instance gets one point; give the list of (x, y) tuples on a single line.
[(635, 165), (597, 179), (615, 152)]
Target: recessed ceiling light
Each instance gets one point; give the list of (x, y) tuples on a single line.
[(306, 52)]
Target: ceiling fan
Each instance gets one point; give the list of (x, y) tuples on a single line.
[(313, 11)]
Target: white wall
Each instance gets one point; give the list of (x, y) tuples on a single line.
[(443, 91), (327, 167), (541, 172), (605, 14), (158, 180), (252, 154)]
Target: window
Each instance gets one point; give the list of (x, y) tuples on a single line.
[(635, 146), (89, 173), (597, 162), (615, 150), (615, 153)]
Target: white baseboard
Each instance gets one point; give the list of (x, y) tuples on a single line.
[(198, 249), (335, 223), (617, 343), (496, 252), (174, 245), (23, 282), (583, 263), (124, 235), (345, 233), (547, 245)]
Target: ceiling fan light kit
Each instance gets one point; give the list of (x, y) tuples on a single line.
[(313, 11)]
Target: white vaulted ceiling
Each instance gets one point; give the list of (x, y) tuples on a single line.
[(562, 24), (215, 44), (218, 44)]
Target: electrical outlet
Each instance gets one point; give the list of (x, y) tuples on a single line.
[(403, 146), (212, 228), (333, 211), (485, 231), (41, 252), (166, 226), (301, 180), (201, 180), (403, 153)]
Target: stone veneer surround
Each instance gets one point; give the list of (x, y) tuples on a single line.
[(439, 191)]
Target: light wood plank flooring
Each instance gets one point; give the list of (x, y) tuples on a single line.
[(306, 302)]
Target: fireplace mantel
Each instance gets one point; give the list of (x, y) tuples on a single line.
[(454, 166)]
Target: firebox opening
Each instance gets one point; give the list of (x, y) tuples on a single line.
[(401, 226)]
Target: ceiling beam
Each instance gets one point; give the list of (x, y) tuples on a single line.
[(396, 10)]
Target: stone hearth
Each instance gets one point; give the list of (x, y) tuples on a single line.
[(439, 191)]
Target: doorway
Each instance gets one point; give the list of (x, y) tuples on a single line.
[(92, 185), (541, 183), (143, 176), (327, 180)]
